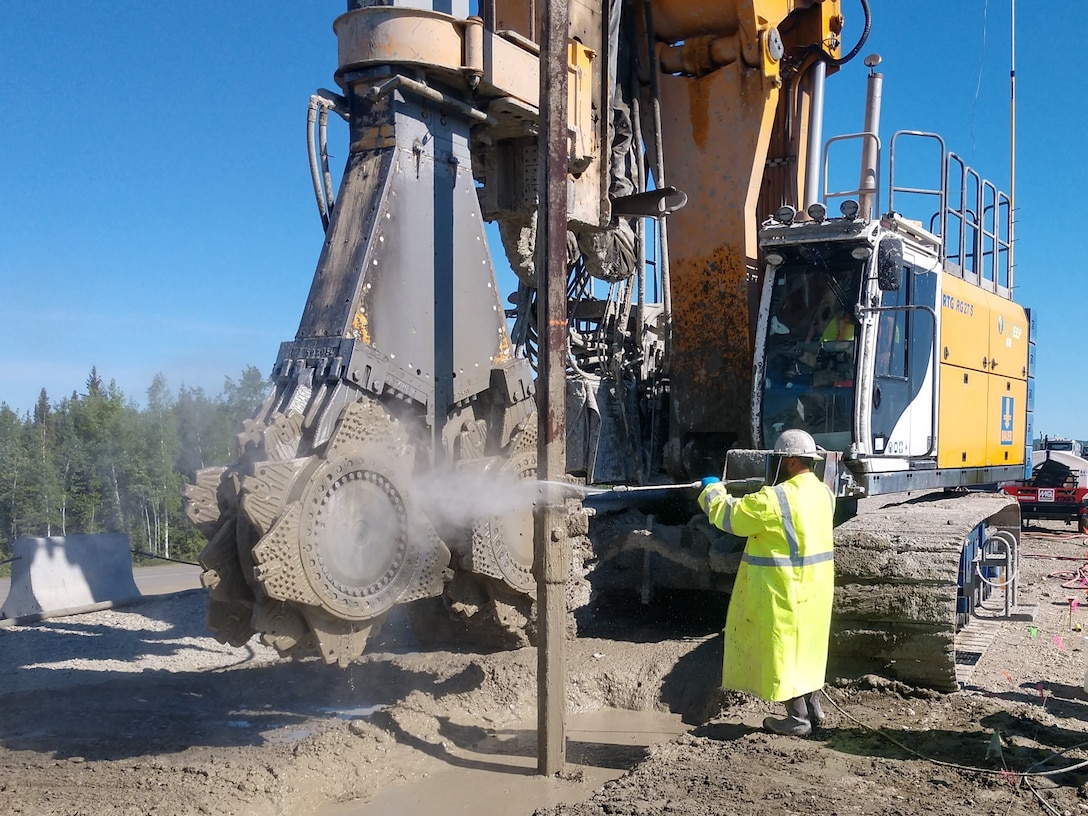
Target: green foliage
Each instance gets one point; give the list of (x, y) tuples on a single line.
[(96, 462)]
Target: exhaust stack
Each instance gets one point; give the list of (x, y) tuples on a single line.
[(870, 151)]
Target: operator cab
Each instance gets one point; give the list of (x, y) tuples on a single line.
[(897, 347), (810, 343), (835, 333)]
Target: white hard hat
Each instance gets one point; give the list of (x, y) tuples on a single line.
[(795, 442)]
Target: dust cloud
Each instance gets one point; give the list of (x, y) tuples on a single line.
[(455, 498)]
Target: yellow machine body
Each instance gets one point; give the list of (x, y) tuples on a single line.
[(983, 378)]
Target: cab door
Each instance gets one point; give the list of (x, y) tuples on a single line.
[(901, 422)]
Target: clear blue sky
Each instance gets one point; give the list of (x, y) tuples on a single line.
[(156, 212)]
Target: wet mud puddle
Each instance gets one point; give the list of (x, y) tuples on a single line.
[(497, 773)]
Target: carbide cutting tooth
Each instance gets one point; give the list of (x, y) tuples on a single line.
[(201, 500), (281, 438), (265, 491)]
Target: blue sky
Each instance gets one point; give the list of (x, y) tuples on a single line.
[(156, 211)]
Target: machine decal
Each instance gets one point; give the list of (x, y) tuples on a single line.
[(962, 306), (1007, 414)]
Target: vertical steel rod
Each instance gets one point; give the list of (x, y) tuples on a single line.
[(870, 155), (664, 270), (1012, 152), (813, 193), (551, 547)]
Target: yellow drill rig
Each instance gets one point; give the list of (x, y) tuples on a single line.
[(695, 141)]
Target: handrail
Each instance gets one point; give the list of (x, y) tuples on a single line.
[(859, 191), (973, 219), (941, 192)]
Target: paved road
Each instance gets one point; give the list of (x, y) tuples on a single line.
[(161, 579)]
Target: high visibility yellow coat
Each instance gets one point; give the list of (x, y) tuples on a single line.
[(779, 618)]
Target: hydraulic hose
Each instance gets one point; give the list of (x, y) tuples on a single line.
[(861, 40), (318, 114)]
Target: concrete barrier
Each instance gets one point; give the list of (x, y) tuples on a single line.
[(67, 575)]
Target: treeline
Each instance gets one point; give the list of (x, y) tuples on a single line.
[(94, 462)]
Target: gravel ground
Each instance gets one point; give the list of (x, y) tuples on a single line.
[(138, 711)]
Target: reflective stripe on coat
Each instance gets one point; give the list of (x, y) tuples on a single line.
[(779, 619)]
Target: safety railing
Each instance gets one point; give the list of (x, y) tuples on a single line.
[(866, 187), (971, 217)]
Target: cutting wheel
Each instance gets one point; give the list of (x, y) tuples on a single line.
[(314, 550)]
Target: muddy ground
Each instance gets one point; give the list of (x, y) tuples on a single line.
[(138, 711)]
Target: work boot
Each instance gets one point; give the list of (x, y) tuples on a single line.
[(815, 708), (795, 723)]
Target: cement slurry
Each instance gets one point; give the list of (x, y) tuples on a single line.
[(498, 774)]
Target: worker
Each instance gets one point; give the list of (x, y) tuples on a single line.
[(779, 618), (839, 329)]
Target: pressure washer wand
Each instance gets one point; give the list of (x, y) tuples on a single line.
[(647, 488), (749, 485)]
